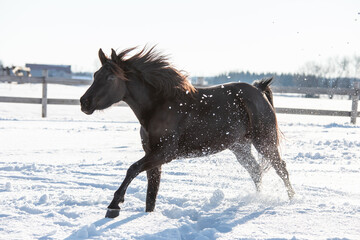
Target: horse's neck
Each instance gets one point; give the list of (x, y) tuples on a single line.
[(140, 101)]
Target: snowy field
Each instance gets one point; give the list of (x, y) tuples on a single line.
[(57, 176)]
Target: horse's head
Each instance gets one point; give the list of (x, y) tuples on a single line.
[(108, 87)]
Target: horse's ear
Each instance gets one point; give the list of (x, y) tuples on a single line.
[(102, 57), (114, 57)]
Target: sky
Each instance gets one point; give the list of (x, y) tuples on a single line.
[(204, 38)]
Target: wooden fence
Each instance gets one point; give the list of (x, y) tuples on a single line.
[(354, 93), (44, 100), (45, 80)]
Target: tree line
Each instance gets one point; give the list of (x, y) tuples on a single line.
[(334, 73)]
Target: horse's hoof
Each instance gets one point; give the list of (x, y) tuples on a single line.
[(112, 213)]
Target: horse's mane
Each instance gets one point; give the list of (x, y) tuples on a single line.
[(155, 70)]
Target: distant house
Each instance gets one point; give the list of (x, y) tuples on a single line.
[(53, 70)]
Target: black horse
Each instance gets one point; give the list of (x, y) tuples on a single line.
[(178, 120)]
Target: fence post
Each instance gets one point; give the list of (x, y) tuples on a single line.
[(44, 94), (355, 101)]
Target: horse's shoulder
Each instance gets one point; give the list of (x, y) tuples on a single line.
[(162, 118)]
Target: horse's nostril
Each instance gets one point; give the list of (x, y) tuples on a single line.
[(85, 102)]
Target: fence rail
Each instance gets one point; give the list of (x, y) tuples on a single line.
[(39, 100), (353, 114), (301, 111), (354, 93), (317, 90), (50, 80)]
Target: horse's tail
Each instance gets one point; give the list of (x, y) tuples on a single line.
[(264, 86)]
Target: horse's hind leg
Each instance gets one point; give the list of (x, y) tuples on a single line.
[(153, 176), (247, 160), (271, 153)]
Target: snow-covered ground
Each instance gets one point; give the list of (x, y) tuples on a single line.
[(57, 176)]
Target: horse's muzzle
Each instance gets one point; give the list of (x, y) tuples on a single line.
[(86, 105)]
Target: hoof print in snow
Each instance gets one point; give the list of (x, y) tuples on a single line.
[(112, 213)]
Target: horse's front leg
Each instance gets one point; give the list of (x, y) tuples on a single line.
[(153, 176), (150, 161)]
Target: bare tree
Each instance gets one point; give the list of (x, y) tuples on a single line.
[(356, 66), (311, 68)]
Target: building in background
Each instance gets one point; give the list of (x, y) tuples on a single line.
[(15, 71), (63, 71)]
